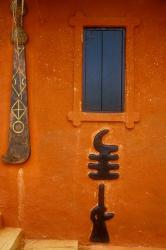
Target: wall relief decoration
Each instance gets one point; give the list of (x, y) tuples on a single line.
[(98, 217), (102, 171), (103, 167)]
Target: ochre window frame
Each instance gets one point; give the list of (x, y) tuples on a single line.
[(129, 116)]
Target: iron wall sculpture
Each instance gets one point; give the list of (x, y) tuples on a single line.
[(19, 144), (98, 217), (105, 155)]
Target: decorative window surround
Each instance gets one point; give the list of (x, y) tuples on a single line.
[(129, 117)]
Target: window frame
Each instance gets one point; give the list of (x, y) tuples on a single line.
[(129, 116)]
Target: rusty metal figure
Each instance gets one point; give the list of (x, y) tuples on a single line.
[(19, 143)]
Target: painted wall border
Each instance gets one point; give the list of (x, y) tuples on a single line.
[(129, 117)]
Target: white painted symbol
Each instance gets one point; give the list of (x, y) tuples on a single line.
[(18, 127), (18, 109), (19, 84)]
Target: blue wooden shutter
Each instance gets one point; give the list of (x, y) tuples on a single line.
[(92, 70), (103, 70)]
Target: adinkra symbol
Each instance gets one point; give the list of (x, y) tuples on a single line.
[(18, 111), (103, 167), (99, 216), (19, 81)]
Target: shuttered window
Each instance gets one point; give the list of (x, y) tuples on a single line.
[(103, 70)]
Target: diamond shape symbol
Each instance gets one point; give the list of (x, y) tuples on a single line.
[(18, 109)]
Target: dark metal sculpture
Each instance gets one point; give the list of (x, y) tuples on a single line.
[(19, 144), (98, 217), (105, 155)]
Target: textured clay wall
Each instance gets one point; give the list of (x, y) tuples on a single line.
[(50, 196)]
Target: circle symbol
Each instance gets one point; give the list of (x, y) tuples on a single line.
[(18, 127)]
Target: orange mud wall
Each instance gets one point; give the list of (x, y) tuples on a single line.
[(50, 196)]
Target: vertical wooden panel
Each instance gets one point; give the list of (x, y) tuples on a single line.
[(92, 70), (113, 70)]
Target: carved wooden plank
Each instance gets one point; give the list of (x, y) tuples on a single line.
[(19, 143)]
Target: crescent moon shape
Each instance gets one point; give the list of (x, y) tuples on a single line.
[(99, 146)]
